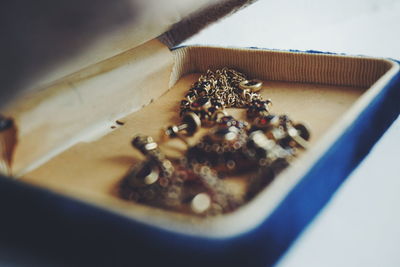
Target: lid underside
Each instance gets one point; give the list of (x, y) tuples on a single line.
[(46, 42)]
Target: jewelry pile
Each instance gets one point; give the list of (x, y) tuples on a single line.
[(261, 147)]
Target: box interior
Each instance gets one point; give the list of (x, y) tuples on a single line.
[(70, 141)]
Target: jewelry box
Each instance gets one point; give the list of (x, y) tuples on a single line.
[(74, 136)]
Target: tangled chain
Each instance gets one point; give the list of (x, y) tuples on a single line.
[(222, 85)]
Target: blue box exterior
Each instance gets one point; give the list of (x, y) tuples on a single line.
[(41, 227)]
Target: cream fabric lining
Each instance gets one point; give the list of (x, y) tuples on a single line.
[(92, 170), (84, 105), (281, 66)]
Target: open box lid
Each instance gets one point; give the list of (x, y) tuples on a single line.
[(62, 39)]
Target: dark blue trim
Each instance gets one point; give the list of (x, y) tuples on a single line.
[(42, 227)]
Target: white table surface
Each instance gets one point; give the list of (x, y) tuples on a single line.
[(360, 226)]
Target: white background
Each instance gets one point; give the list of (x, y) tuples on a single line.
[(360, 226)]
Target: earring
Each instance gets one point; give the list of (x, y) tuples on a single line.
[(283, 130), (153, 181), (190, 124), (222, 147), (214, 198), (270, 157)]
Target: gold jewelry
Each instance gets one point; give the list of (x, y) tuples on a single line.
[(253, 86), (267, 144), (190, 123)]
